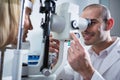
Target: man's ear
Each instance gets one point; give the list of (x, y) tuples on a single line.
[(109, 24)]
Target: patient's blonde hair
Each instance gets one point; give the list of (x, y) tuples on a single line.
[(9, 18)]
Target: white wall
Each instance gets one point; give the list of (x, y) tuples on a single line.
[(114, 6), (115, 11), (81, 3)]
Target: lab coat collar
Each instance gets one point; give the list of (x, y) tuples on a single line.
[(113, 56)]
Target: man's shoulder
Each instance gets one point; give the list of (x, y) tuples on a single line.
[(118, 41)]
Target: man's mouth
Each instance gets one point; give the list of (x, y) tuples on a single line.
[(88, 35)]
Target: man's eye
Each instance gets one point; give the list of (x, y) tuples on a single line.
[(92, 24)]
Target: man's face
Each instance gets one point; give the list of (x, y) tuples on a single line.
[(94, 34), (27, 23)]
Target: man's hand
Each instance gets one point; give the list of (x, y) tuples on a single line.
[(79, 59)]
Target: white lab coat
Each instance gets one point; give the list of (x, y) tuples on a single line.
[(109, 70)]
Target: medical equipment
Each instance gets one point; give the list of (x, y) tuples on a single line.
[(60, 22), (65, 20)]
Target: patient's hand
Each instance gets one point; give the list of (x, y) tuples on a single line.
[(54, 45), (54, 50)]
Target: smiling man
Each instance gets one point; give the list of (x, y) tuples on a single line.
[(102, 60)]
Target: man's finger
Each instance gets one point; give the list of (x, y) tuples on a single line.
[(74, 37)]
